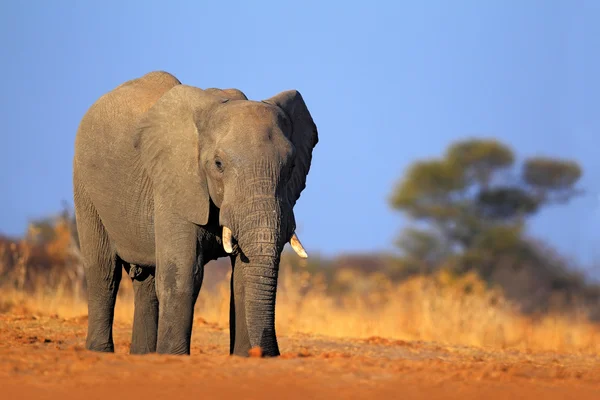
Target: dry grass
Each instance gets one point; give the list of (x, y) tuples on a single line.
[(441, 308)]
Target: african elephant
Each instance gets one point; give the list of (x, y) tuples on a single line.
[(167, 177)]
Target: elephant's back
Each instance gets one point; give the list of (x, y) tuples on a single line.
[(115, 113), (105, 164), (104, 140)]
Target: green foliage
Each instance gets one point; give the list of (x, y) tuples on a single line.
[(426, 190), (553, 180), (477, 160), (474, 209), (505, 202)]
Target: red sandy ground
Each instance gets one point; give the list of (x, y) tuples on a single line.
[(42, 357)]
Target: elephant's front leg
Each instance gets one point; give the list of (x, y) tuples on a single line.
[(179, 275), (239, 341)]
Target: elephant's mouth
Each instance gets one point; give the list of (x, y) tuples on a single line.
[(230, 248)]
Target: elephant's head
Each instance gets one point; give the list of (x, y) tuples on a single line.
[(250, 159)]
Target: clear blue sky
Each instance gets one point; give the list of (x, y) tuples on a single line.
[(386, 82)]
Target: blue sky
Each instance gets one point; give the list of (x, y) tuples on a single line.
[(387, 83)]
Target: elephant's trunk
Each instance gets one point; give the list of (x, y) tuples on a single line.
[(260, 239), (260, 278)]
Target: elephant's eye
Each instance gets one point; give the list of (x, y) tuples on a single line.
[(219, 165)]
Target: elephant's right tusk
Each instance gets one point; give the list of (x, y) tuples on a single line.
[(227, 240), (297, 246)]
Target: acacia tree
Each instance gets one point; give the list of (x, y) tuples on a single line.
[(474, 201)]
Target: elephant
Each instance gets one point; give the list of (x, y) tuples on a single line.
[(167, 177)]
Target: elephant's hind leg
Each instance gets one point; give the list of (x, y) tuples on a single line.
[(145, 317), (103, 274)]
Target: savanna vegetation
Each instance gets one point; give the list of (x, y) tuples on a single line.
[(466, 271)]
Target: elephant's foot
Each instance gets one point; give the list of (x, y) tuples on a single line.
[(242, 351), (103, 347), (246, 352), (143, 339), (241, 345), (142, 348), (174, 336), (175, 330), (173, 348), (243, 348), (99, 336)]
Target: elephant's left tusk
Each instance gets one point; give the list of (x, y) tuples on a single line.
[(297, 246), (227, 240)]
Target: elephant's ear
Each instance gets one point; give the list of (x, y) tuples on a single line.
[(168, 140), (304, 137)]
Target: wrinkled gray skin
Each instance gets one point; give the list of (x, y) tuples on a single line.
[(159, 168)]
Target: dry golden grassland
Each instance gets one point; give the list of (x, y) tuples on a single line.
[(444, 308)]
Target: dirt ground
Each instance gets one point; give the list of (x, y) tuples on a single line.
[(42, 357)]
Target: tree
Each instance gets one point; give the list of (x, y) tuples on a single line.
[(473, 206)]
